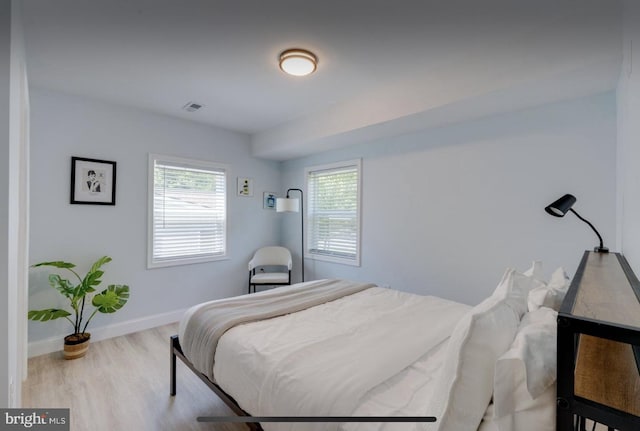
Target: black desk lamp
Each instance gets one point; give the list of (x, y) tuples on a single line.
[(560, 207)]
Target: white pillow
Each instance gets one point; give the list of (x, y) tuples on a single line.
[(524, 392), (514, 288), (464, 384), (550, 295), (535, 271)]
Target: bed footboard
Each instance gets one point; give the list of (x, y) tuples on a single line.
[(176, 351)]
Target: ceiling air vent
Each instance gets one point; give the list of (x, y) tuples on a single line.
[(192, 106)]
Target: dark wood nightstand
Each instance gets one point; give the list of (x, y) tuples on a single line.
[(598, 339)]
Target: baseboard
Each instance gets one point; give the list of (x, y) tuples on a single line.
[(54, 344)]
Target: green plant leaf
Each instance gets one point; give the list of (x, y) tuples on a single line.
[(48, 314), (93, 278), (99, 263), (111, 299), (81, 290), (64, 286), (57, 264)]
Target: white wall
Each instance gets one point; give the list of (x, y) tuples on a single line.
[(628, 93), (445, 211), (13, 185), (5, 146), (65, 126)]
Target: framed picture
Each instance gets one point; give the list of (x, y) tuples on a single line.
[(269, 200), (93, 182), (245, 187)]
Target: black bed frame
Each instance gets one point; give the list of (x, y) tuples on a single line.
[(176, 351)]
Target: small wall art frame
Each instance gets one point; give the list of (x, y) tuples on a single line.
[(245, 187), (93, 182), (269, 200)]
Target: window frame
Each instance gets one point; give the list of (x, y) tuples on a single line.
[(308, 254), (196, 164)]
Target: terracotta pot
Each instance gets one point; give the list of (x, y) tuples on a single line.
[(76, 345)]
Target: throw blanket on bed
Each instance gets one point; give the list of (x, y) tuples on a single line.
[(204, 324)]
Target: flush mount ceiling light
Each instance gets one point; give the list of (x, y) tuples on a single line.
[(298, 62)]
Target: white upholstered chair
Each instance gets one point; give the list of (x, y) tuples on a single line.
[(264, 261)]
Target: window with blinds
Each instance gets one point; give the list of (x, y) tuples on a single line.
[(187, 211), (333, 212)]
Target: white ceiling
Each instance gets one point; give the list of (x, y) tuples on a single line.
[(385, 67)]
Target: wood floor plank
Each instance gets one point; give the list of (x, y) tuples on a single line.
[(123, 384)]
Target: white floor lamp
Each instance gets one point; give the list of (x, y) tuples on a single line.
[(294, 205)]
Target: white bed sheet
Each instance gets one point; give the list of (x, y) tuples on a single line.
[(306, 351)]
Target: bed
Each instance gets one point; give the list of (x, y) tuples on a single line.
[(336, 348)]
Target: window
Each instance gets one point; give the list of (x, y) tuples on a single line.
[(333, 216), (187, 211)]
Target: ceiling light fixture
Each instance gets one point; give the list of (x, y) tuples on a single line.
[(298, 62)]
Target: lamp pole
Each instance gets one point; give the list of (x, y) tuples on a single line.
[(301, 225), (602, 248)]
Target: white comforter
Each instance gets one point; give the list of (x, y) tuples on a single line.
[(204, 324), (408, 393), (322, 361)]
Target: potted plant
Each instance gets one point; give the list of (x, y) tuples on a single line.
[(110, 300)]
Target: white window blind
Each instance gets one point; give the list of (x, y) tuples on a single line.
[(188, 222), (334, 212)]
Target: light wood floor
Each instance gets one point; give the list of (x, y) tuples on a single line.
[(123, 384)]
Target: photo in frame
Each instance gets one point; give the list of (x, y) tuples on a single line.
[(245, 186), (269, 200), (93, 182)]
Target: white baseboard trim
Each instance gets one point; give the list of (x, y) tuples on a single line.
[(54, 344)]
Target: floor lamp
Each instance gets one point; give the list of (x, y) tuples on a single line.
[(294, 205)]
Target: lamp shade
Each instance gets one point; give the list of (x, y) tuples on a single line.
[(290, 205), (560, 207)]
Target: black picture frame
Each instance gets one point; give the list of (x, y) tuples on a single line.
[(93, 181)]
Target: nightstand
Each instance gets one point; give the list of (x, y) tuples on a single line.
[(598, 339)]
